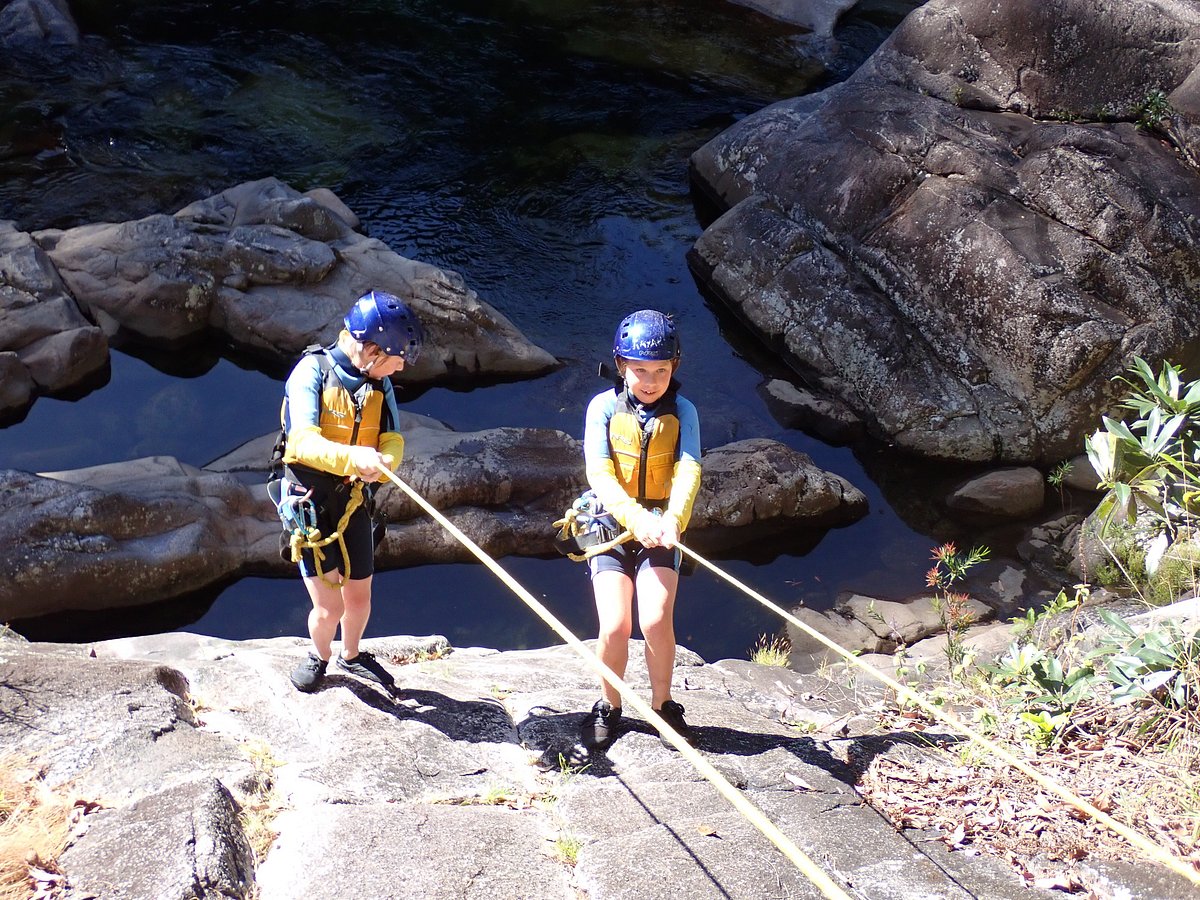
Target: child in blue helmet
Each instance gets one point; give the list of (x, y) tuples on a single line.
[(642, 453), (340, 416)]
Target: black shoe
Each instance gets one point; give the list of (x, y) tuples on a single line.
[(672, 714), (365, 665), (599, 727), (309, 673)]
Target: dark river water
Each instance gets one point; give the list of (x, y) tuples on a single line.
[(538, 148)]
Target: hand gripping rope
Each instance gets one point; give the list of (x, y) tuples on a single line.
[(1154, 851), (752, 813)]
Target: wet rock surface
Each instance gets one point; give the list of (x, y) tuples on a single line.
[(149, 530)]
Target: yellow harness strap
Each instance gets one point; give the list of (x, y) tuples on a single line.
[(311, 539)]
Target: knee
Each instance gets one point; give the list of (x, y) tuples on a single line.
[(324, 614), (617, 630), (357, 604), (661, 624)]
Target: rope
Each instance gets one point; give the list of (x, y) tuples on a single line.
[(597, 549), (1153, 850), (795, 855), (311, 539), (568, 527)]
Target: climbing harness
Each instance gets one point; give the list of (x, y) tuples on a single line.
[(293, 502), (1153, 850), (752, 813), (298, 514), (587, 529)]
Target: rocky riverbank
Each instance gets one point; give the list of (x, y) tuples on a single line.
[(185, 752)]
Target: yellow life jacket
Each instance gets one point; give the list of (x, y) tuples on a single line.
[(644, 455), (344, 421), (356, 420)]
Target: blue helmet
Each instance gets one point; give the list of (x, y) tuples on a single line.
[(646, 335), (385, 320)]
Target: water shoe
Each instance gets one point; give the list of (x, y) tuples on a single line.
[(309, 673), (599, 727), (672, 714), (365, 665)]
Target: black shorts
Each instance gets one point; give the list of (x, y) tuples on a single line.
[(631, 558), (331, 494)]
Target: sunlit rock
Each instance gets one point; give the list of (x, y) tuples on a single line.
[(143, 531), (968, 239), (269, 271)]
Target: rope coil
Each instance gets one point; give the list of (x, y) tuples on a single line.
[(308, 537)]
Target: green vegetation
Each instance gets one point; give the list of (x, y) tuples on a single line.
[(952, 608), (1107, 709), (1154, 108), (567, 847), (1057, 477), (1150, 470), (772, 651)]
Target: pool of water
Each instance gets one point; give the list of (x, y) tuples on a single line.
[(540, 149)]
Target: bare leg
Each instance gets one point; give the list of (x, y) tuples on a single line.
[(327, 610), (356, 597), (614, 608), (656, 614)]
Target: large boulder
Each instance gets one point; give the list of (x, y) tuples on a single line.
[(269, 271), (37, 24), (970, 237), (132, 533), (47, 346)]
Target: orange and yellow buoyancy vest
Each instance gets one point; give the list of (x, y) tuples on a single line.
[(644, 455), (346, 420)]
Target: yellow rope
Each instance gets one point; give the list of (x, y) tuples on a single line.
[(739, 800), (310, 539), (1152, 849), (567, 527), (597, 549)]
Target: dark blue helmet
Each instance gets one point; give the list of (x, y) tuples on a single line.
[(646, 335), (385, 320)]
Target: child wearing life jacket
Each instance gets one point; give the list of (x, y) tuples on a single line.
[(642, 453), (340, 418)]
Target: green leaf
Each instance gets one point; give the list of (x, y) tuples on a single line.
[(1102, 454), (1114, 621)]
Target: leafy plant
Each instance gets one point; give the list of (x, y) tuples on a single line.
[(1057, 477), (1042, 689), (1153, 109), (1025, 625), (1152, 462), (952, 608), (1161, 665)]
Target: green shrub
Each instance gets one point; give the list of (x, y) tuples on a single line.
[(1160, 665)]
